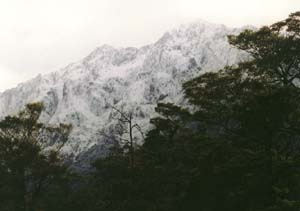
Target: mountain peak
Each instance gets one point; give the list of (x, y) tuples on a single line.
[(131, 78)]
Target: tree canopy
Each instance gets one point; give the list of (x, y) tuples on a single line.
[(28, 170)]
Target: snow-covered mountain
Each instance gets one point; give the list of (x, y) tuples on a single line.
[(129, 78)]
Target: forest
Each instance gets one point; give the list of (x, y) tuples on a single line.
[(234, 149)]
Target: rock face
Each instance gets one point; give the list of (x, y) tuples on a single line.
[(132, 78)]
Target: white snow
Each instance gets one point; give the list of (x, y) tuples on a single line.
[(138, 78)]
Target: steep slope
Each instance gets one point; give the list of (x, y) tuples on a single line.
[(129, 78)]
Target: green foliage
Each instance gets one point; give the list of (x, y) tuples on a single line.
[(28, 174), (276, 49)]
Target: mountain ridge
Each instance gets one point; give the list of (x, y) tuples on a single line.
[(130, 78)]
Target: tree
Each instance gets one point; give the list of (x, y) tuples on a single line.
[(27, 168), (124, 134), (275, 49)]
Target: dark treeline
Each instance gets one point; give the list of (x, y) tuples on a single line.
[(239, 150)]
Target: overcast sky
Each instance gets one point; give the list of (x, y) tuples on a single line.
[(39, 36)]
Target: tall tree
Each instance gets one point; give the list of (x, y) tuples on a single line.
[(27, 168)]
